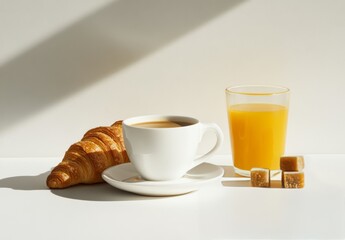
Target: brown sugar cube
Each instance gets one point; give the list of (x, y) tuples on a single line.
[(260, 177), (293, 179), (292, 163)]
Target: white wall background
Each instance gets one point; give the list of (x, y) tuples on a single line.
[(67, 66)]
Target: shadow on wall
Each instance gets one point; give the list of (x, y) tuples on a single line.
[(98, 45)]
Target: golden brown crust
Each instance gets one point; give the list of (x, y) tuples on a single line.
[(84, 161)]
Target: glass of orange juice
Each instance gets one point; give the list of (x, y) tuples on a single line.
[(257, 117)]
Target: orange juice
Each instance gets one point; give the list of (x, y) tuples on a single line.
[(258, 134)]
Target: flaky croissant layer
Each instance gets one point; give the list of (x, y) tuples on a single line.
[(84, 161)]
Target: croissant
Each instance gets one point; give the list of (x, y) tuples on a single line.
[(84, 161)]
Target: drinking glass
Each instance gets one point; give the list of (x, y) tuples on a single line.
[(257, 117)]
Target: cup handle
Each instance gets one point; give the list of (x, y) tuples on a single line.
[(219, 134)]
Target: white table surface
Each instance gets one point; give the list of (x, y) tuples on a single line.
[(229, 209)]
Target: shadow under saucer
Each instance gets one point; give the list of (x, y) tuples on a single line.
[(99, 192)]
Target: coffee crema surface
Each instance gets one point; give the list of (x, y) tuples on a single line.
[(161, 124)]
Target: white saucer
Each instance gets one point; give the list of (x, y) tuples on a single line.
[(125, 177)]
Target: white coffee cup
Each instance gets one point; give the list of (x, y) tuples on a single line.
[(161, 151)]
